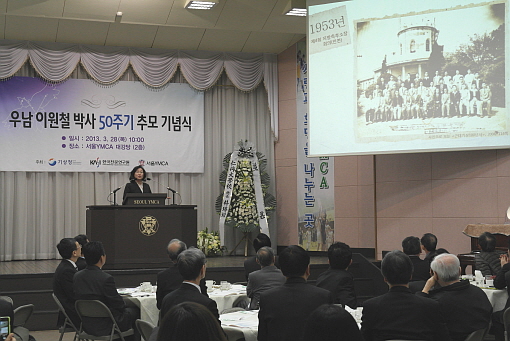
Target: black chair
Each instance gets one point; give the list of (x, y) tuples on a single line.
[(95, 308), (68, 326), (477, 335)]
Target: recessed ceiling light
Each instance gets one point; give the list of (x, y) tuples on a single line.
[(192, 4), (296, 8)]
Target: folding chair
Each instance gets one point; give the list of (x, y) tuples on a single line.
[(22, 314), (7, 298), (477, 335), (144, 328), (95, 308), (68, 326)]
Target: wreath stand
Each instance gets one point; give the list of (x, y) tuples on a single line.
[(246, 238)]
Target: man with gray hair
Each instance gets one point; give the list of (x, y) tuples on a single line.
[(399, 314), (269, 276), (191, 266), (465, 307), (170, 279)]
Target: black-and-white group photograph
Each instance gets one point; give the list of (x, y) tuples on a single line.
[(423, 68)]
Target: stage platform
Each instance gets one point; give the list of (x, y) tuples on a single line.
[(32, 281)]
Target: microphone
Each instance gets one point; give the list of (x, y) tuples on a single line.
[(173, 191), (148, 179), (115, 190)]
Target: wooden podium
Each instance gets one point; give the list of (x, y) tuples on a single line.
[(137, 236)]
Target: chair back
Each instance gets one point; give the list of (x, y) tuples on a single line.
[(92, 308), (477, 335), (7, 298), (233, 334), (68, 321), (22, 314), (144, 328)]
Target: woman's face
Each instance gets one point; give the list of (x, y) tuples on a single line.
[(139, 174)]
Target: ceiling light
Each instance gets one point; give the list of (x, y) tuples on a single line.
[(193, 4), (295, 8)]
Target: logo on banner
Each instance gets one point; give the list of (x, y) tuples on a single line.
[(148, 225), (52, 162), (156, 163), (97, 162), (141, 163)]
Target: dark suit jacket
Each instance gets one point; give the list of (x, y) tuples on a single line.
[(262, 280), (81, 263), (63, 289), (187, 293), (94, 284), (341, 285), (502, 281), (132, 187), (399, 314), (284, 310), (421, 270), (169, 280), (251, 265), (465, 308)]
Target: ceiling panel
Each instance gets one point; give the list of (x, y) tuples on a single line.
[(3, 6), (131, 35), (268, 42), (91, 9), (82, 32), (277, 22), (244, 14), (178, 38), (229, 40), (30, 28), (49, 8), (179, 16), (146, 11)]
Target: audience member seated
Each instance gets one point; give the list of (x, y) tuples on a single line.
[(251, 264), (170, 279), (92, 283), (264, 279), (284, 310), (421, 269), (399, 314), (337, 279), (465, 307), (191, 266), (331, 322), (487, 261), (428, 245), (502, 281), (70, 250), (82, 239), (190, 321)]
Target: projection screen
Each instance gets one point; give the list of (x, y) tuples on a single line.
[(407, 76)]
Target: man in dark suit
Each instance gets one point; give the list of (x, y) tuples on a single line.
[(428, 244), (502, 281), (284, 310), (82, 239), (170, 279), (92, 283), (251, 264), (337, 279), (191, 266), (399, 314), (69, 249), (264, 279), (465, 307), (411, 247)]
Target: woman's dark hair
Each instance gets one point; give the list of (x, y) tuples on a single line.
[(132, 174), (191, 322), (331, 322)]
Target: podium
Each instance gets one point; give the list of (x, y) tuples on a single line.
[(136, 236)]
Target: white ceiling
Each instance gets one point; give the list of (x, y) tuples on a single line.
[(231, 26)]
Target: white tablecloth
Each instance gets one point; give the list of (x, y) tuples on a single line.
[(497, 298), (150, 313), (247, 322)]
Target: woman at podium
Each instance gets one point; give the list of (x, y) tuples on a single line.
[(137, 183)]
